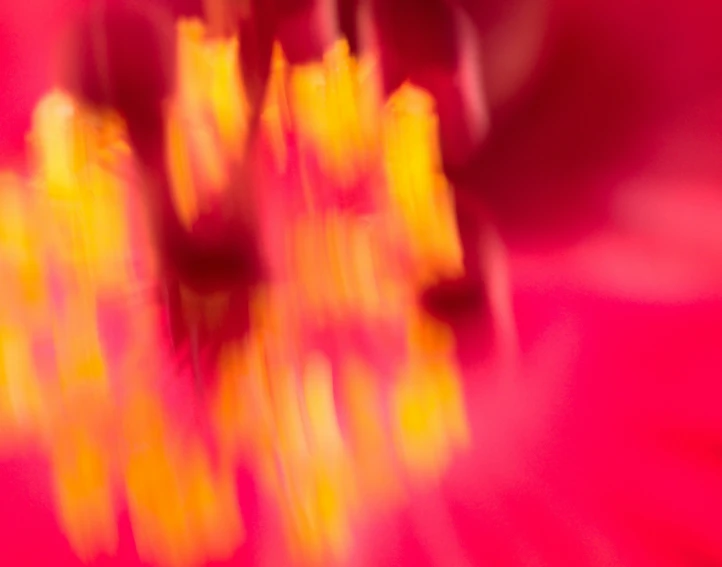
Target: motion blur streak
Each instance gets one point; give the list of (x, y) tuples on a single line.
[(343, 394)]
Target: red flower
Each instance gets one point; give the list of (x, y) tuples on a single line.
[(597, 441)]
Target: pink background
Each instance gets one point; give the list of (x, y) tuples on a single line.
[(602, 445)]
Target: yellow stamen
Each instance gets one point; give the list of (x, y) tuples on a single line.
[(419, 191), (329, 112), (85, 503), (21, 401)]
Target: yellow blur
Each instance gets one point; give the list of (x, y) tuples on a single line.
[(317, 431)]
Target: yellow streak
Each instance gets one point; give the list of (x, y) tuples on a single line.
[(82, 482), (81, 362), (82, 211), (21, 260), (332, 114), (180, 171), (276, 111), (21, 402), (273, 406), (182, 512), (420, 193), (429, 414), (207, 121)]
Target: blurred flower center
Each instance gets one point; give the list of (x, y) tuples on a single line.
[(344, 393)]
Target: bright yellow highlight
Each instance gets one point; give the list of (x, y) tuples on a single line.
[(418, 188), (83, 201), (208, 118), (210, 82), (23, 297), (430, 418), (335, 112), (55, 138)]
